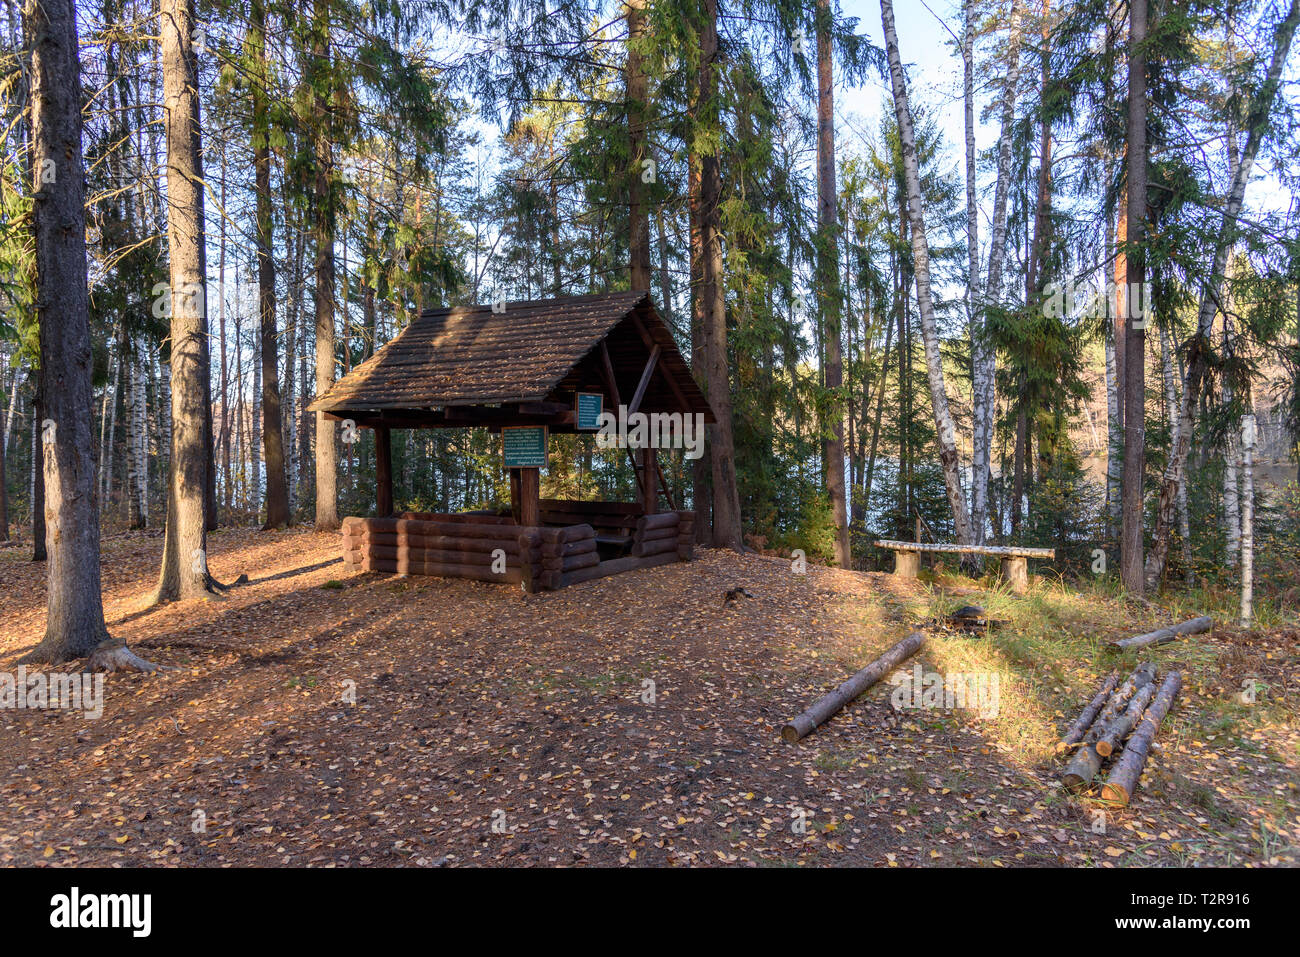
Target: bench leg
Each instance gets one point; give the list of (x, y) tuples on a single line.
[(907, 564), (1015, 572)]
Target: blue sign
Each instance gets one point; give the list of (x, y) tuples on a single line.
[(524, 446), (590, 406)]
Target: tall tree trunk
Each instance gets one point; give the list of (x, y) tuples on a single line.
[(4, 497), (828, 262), (39, 552), (1231, 456), (224, 437), (702, 477), (277, 493), (945, 430), (137, 463), (1114, 425), (726, 494), (635, 83), (107, 429), (1198, 349), (75, 614), (184, 572), (1171, 410), (981, 437), (1131, 542), (327, 509), (880, 408)]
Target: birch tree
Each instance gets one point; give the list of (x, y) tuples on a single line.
[(945, 430)]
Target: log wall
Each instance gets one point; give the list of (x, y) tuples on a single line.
[(466, 546)]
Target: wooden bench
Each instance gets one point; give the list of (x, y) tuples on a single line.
[(1014, 570)]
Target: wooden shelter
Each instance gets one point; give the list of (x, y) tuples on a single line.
[(525, 370)]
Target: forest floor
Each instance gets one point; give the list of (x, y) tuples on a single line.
[(493, 727)]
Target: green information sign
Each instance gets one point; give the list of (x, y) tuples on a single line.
[(590, 405), (524, 446)]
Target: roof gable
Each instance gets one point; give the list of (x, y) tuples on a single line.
[(473, 356)]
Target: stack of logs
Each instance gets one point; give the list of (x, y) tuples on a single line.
[(656, 534), (563, 552), (1131, 711)]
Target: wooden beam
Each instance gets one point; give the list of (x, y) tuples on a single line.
[(663, 371), (383, 472), (646, 376), (607, 373)]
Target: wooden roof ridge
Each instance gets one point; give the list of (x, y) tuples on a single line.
[(476, 356)]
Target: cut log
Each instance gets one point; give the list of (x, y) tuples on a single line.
[(614, 566), (1164, 635), (453, 556), (1128, 768), (565, 549), (1075, 732), (657, 521), (830, 704), (1118, 729), (1085, 764), (571, 563), (442, 570), (470, 517), (658, 547), (570, 533)]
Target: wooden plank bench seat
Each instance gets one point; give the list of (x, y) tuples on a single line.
[(1014, 569)]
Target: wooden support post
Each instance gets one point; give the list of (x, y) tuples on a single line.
[(906, 564), (383, 472), (1015, 572), (525, 495), (649, 484)]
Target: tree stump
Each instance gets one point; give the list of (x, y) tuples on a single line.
[(1015, 572), (906, 564)]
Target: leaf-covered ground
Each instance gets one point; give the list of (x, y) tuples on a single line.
[(492, 727)]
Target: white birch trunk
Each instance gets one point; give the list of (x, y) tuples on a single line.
[(1171, 405), (945, 431), (983, 357), (139, 483), (255, 430), (1247, 520), (106, 425)]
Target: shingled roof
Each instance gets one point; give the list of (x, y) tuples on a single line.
[(530, 352)]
